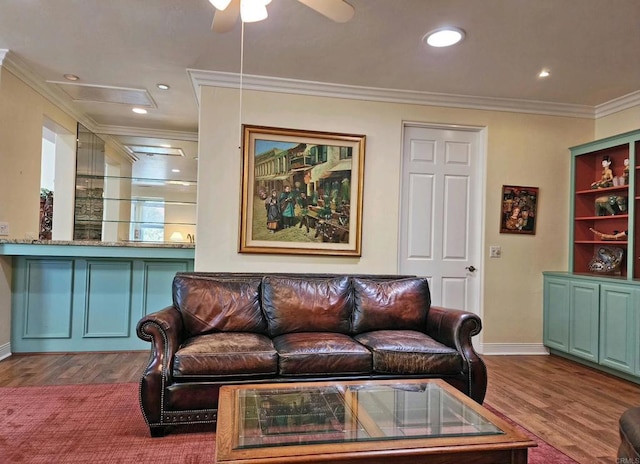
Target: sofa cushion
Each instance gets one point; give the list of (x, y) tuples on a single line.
[(306, 305), (320, 353), (390, 304), (212, 304), (410, 352), (225, 354)]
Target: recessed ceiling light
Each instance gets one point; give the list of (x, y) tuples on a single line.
[(444, 37), (139, 110), (175, 170), (162, 86), (71, 77), (544, 73), (165, 145)]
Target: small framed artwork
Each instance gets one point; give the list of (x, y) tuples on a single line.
[(519, 210), (301, 192)]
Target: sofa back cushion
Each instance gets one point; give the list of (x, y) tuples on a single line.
[(302, 304), (210, 304), (390, 304)]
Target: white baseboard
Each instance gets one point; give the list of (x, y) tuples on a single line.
[(5, 351), (513, 349)]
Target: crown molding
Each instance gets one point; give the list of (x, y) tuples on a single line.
[(293, 86), (16, 66), (618, 104), (3, 54)]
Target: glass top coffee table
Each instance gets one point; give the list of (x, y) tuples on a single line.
[(370, 421)]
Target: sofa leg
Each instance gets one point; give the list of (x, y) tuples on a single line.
[(157, 432)]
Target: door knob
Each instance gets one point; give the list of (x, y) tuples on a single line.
[(470, 268)]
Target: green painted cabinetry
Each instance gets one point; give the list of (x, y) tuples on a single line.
[(593, 321), (592, 311), (618, 343), (68, 298)]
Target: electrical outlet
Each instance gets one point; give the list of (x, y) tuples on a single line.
[(4, 228), (495, 251)]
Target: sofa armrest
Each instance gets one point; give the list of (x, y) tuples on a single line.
[(454, 328), (163, 329)]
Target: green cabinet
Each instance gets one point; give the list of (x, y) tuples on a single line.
[(556, 313), (571, 315), (618, 344), (68, 298), (593, 321), (592, 311), (584, 317)]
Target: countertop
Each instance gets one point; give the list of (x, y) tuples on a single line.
[(96, 249), (98, 243)]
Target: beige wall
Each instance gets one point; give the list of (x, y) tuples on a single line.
[(522, 149), (22, 113), (618, 123)]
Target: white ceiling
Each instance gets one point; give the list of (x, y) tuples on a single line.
[(591, 47)]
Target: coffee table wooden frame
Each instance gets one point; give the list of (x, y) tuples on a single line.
[(510, 447)]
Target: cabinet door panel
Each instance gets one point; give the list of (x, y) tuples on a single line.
[(556, 313), (584, 320), (617, 327)]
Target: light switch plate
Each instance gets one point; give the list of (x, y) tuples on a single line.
[(495, 251), (4, 228)]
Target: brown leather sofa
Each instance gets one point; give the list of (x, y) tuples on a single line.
[(629, 424), (253, 328)]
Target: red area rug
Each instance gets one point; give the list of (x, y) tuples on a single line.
[(103, 424)]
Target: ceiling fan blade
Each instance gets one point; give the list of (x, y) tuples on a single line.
[(224, 20), (337, 10)]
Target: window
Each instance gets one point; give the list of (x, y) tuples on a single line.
[(147, 220)]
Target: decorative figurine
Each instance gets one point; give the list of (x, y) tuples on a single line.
[(625, 172), (606, 260), (615, 236), (610, 205), (607, 175)]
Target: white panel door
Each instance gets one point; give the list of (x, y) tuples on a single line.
[(440, 213)]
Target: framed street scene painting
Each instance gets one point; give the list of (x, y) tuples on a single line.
[(301, 192), (519, 210)]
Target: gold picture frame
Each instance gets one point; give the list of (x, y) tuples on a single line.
[(301, 192)]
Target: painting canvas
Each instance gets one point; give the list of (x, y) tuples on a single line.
[(519, 210), (301, 192)]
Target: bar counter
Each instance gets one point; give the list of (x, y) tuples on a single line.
[(71, 296)]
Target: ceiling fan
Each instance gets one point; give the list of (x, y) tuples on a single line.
[(256, 10)]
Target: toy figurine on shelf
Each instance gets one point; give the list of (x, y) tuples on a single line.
[(615, 236), (625, 172), (607, 175)]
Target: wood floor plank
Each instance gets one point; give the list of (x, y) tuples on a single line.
[(572, 407)]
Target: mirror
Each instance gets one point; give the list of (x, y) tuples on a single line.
[(135, 189)]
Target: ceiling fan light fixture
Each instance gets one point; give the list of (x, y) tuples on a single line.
[(220, 4), (444, 37), (252, 11)]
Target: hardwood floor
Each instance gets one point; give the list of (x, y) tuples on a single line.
[(572, 407)]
